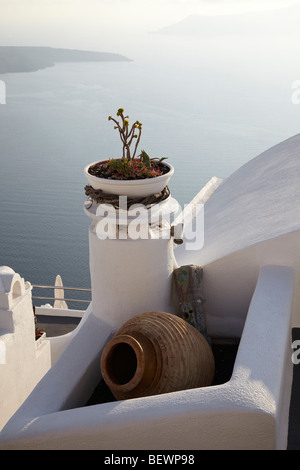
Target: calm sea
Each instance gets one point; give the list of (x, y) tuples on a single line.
[(208, 122)]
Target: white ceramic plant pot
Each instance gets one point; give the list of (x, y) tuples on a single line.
[(131, 188)]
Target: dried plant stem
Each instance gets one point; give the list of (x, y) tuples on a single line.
[(126, 135)]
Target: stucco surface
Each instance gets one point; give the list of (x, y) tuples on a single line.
[(260, 201)]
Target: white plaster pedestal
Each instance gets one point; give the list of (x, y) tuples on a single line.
[(131, 276)]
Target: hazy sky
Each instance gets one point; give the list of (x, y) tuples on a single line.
[(110, 25)]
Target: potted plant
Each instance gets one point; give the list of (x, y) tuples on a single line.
[(131, 175)]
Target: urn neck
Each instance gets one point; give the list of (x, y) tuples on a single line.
[(129, 363)]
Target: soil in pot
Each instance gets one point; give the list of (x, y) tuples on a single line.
[(131, 170)]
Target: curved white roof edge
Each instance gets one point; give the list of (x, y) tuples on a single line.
[(258, 202)]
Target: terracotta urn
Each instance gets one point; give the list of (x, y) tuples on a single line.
[(156, 352)]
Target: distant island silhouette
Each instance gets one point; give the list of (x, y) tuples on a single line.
[(31, 59), (284, 20)]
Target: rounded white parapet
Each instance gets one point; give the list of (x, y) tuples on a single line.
[(131, 260), (6, 277), (12, 287)]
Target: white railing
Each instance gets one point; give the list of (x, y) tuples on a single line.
[(63, 288)]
